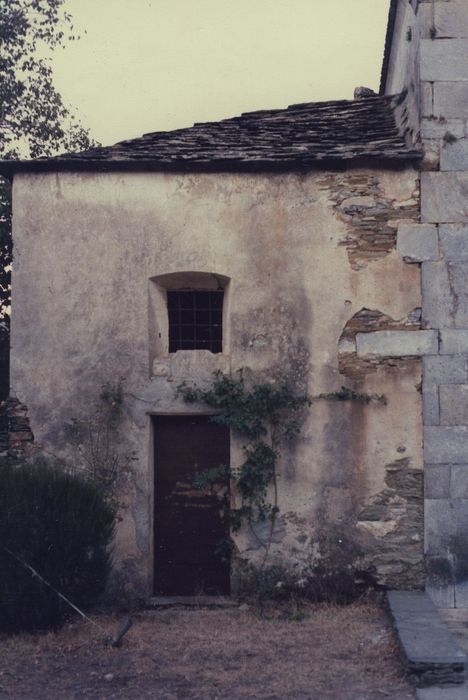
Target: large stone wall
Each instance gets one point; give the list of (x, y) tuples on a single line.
[(444, 205), (317, 293), (439, 80)]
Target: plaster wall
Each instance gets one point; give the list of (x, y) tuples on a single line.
[(309, 259)]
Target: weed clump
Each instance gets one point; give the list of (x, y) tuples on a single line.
[(314, 584)]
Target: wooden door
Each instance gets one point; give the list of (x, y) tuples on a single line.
[(191, 527)]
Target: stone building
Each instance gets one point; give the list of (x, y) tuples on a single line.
[(324, 245)]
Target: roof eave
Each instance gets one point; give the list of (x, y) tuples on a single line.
[(10, 167)]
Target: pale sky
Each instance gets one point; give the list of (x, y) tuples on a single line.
[(155, 65)]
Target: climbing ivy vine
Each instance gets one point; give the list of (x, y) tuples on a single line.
[(347, 394), (267, 416), (97, 436)]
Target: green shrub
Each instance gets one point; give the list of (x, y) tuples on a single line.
[(60, 524)]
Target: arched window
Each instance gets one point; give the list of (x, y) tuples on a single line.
[(188, 312)]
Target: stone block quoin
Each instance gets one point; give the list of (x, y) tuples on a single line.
[(397, 343), (443, 65), (440, 246), (418, 242)]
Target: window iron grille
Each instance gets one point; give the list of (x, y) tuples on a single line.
[(195, 320)]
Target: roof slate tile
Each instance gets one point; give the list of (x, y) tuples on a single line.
[(298, 137)]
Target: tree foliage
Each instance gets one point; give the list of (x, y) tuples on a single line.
[(34, 121)]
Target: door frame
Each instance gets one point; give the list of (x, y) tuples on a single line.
[(151, 468)]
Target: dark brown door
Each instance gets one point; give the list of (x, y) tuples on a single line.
[(191, 527)]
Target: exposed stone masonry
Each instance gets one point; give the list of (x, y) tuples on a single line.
[(15, 431), (371, 217), (370, 321), (394, 520)]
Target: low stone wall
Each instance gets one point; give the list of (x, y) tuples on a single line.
[(15, 431)]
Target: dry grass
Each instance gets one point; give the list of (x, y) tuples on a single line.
[(339, 653)]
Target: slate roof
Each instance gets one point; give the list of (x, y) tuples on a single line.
[(299, 137)]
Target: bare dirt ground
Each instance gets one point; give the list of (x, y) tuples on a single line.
[(319, 652)]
